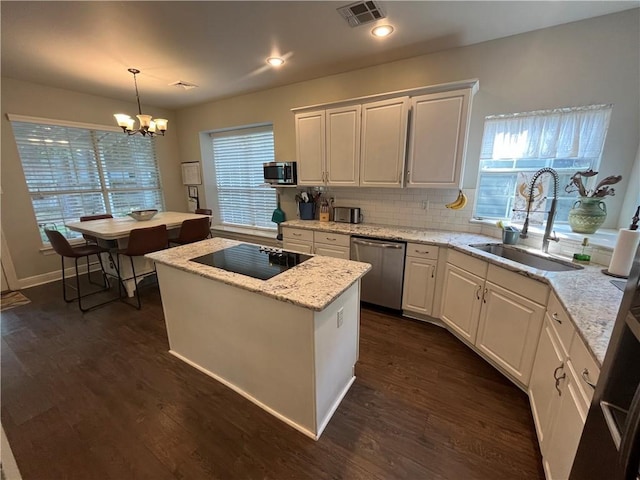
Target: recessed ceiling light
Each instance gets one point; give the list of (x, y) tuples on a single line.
[(275, 61), (382, 30)]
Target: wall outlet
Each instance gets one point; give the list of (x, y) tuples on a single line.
[(340, 317), (425, 204)]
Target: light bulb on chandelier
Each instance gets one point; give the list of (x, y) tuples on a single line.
[(148, 126)]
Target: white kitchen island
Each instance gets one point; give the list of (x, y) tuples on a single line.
[(289, 344)]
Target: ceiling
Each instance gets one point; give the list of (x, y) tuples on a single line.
[(87, 46)]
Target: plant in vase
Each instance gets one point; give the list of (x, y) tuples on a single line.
[(589, 212)]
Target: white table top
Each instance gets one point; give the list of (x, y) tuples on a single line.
[(114, 228)]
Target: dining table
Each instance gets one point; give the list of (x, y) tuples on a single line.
[(114, 233)]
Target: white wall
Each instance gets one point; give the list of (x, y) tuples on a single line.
[(592, 61), (18, 221)]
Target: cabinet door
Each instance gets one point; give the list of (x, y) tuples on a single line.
[(419, 285), (566, 430), (335, 251), (461, 300), (384, 139), (310, 145), (343, 146), (439, 125), (300, 246), (542, 385), (508, 331)]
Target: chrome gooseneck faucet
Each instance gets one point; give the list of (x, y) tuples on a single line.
[(548, 235)]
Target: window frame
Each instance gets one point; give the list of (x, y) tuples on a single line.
[(105, 190), (259, 188), (565, 200)]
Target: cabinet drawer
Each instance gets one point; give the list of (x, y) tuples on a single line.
[(422, 251), (467, 262), (331, 238), (297, 234), (586, 368), (562, 324), (527, 287)]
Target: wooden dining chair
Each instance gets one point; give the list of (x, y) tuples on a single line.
[(63, 248), (90, 239), (141, 242), (206, 211), (192, 230)]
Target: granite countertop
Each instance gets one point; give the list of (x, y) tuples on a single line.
[(587, 294), (313, 284)]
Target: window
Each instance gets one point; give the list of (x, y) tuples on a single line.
[(73, 171), (238, 155), (515, 146)]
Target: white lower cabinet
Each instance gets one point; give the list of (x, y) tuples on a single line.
[(497, 311), (566, 429), (508, 330), (560, 390), (461, 301), (297, 240), (318, 243), (419, 286)]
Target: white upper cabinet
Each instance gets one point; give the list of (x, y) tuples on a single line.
[(437, 141), (328, 146), (343, 146), (384, 139), (310, 147)]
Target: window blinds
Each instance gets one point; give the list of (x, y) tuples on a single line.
[(238, 155), (73, 171)]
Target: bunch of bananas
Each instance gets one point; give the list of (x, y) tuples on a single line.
[(459, 203)]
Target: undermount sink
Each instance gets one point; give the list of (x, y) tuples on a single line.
[(525, 257)]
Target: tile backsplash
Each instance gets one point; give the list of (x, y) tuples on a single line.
[(425, 208), (419, 208)]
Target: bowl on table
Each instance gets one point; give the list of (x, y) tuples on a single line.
[(142, 215)]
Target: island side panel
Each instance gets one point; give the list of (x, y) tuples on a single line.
[(336, 350), (259, 346)]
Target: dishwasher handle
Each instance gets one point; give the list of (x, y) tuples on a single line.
[(378, 245)]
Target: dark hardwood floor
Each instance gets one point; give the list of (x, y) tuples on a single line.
[(97, 396)]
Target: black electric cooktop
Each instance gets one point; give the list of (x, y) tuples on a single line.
[(253, 260)]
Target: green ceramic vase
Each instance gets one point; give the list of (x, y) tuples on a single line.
[(587, 215)]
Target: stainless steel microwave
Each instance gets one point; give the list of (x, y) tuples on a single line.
[(280, 173)]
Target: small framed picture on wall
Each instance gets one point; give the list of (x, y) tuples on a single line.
[(191, 173)]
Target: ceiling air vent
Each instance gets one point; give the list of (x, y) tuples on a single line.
[(183, 84), (360, 13)]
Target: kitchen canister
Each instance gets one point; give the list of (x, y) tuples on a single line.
[(624, 252)]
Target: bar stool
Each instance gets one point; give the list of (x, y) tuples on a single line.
[(141, 242), (90, 239), (192, 230), (206, 211), (63, 248)]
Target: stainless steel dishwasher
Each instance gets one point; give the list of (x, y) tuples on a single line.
[(382, 285)]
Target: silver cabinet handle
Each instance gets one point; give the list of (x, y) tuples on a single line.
[(423, 252), (478, 291), (585, 377), (484, 295), (554, 315), (559, 378), (433, 271), (296, 234), (379, 245), (331, 239)]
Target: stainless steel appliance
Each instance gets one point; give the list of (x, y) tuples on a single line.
[(347, 215), (253, 260), (610, 444), (281, 174), (382, 285)]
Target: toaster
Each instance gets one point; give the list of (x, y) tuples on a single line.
[(347, 215)]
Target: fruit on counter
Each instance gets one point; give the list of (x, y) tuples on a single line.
[(459, 203)]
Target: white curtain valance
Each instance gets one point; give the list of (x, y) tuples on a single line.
[(562, 133)]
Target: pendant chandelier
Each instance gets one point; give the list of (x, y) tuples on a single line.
[(148, 126)]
